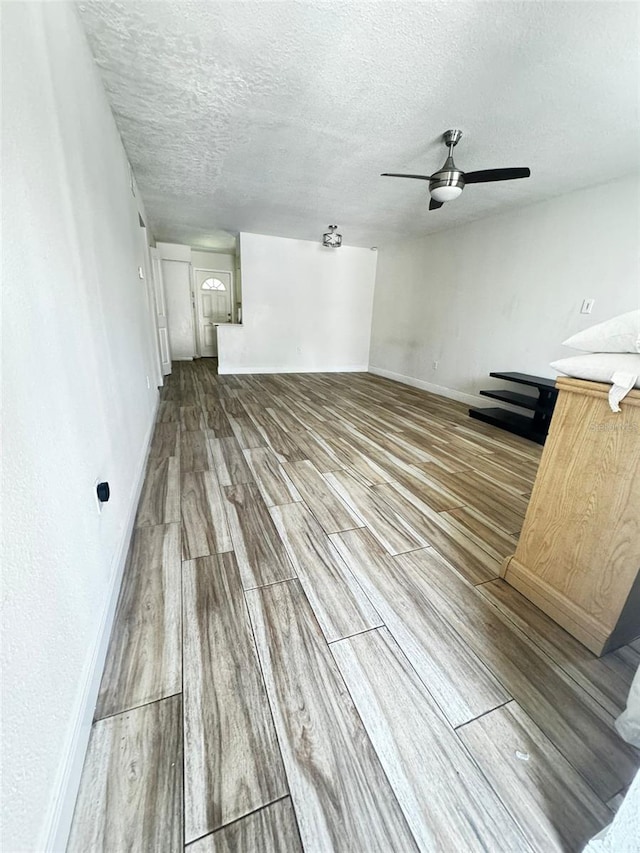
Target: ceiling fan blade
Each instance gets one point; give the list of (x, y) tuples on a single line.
[(434, 205), (487, 175), (395, 175)]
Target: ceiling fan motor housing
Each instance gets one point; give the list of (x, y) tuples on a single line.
[(446, 178), (449, 179), (447, 183)]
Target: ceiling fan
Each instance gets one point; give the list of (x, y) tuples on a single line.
[(448, 182)]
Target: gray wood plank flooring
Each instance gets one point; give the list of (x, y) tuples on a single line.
[(569, 717), (335, 663), (194, 451), (340, 605), (459, 681), (273, 481), (131, 790), (165, 440), (389, 527), (246, 432), (607, 678), (144, 662), (168, 412), (216, 420), (342, 798), (332, 513), (475, 562), (317, 453), (232, 760), (414, 744), (160, 499), (260, 551), (479, 529), (192, 418), (205, 529), (272, 829), (555, 807), (228, 462)]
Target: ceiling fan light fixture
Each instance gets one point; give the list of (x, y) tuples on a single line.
[(448, 182), (447, 193), (331, 239)]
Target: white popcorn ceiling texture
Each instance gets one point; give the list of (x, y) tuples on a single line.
[(277, 117)]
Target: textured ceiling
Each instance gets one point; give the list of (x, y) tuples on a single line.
[(277, 117)]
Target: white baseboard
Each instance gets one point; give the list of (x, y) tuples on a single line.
[(61, 814), (441, 390), (350, 368)]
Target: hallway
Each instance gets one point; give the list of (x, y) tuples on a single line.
[(312, 649)]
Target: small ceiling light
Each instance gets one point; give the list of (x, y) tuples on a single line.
[(331, 238), (446, 193)]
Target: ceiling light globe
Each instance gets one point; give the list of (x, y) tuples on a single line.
[(445, 193)]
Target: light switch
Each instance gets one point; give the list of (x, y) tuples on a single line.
[(140, 273), (587, 306)]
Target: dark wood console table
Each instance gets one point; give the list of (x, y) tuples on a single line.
[(533, 427)]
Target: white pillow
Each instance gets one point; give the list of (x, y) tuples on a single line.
[(620, 334), (600, 366)]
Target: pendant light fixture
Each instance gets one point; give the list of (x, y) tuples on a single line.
[(331, 239)]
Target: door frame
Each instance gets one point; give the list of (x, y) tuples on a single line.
[(196, 301), (148, 273)]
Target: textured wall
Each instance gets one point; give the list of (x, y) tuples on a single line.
[(503, 293), (304, 308), (77, 350)]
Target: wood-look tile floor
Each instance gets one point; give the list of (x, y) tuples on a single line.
[(313, 650)]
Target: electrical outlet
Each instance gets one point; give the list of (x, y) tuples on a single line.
[(140, 273), (435, 364), (587, 306)]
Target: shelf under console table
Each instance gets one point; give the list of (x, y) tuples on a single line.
[(578, 555), (533, 427)]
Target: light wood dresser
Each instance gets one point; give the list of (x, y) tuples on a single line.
[(578, 556)]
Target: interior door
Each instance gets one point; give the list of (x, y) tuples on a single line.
[(213, 299), (178, 286), (162, 320)]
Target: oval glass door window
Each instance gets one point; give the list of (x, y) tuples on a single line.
[(212, 284)]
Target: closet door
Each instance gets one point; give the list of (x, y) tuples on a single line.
[(177, 287)]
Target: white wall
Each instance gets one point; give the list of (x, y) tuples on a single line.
[(213, 260), (77, 350), (304, 308), (504, 292), (174, 251)]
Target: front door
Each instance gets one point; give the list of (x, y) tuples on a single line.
[(213, 297)]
